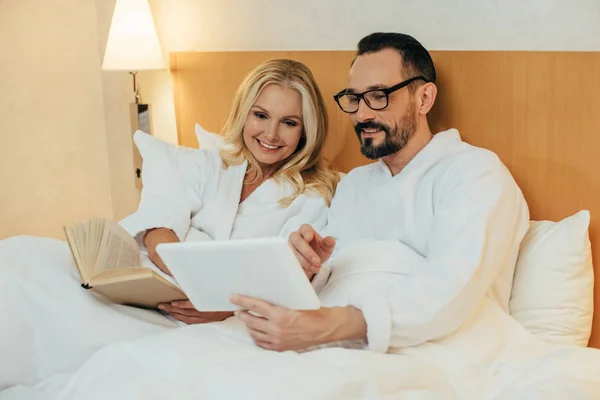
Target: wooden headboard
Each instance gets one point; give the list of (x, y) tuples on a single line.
[(539, 111)]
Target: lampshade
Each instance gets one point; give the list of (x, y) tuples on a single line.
[(132, 39)]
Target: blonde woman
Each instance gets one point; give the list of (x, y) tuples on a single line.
[(268, 180)]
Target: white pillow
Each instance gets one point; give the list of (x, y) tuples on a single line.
[(162, 168), (553, 288), (208, 140), (161, 160)]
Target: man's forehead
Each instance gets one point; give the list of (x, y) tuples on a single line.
[(383, 68)]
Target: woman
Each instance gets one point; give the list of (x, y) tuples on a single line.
[(268, 180)]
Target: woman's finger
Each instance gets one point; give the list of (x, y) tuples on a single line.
[(188, 319), (183, 304)]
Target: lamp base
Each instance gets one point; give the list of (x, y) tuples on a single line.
[(140, 115)]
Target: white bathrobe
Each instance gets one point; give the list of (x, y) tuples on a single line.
[(206, 198), (49, 324), (460, 214)]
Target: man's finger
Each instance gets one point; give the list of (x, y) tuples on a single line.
[(307, 232), (259, 336), (265, 345), (253, 322), (257, 306), (327, 245), (304, 263), (301, 246)]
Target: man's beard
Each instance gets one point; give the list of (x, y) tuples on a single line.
[(395, 138)]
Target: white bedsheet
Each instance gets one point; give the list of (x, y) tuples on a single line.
[(139, 354)]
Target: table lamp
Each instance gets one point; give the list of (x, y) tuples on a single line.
[(133, 46)]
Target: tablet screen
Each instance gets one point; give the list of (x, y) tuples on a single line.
[(209, 272)]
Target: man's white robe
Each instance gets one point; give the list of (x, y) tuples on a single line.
[(456, 217)]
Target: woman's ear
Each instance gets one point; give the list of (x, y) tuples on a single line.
[(427, 95)]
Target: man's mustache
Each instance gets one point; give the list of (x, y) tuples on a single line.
[(370, 125)]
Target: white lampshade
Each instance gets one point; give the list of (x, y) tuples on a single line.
[(132, 40)]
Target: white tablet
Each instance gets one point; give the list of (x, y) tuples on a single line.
[(209, 272)]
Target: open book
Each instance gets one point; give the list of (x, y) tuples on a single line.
[(108, 260)]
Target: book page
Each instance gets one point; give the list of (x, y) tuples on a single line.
[(76, 238), (118, 249), (94, 228)]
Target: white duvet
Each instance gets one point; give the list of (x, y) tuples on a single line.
[(60, 342)]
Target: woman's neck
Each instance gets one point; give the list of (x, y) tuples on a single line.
[(268, 170)]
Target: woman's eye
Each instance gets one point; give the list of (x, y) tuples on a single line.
[(291, 123), (260, 115)]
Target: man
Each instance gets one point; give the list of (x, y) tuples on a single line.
[(454, 205)]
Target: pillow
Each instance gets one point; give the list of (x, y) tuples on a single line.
[(161, 160), (161, 173), (553, 287), (208, 140)]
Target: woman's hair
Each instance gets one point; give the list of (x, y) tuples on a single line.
[(305, 169)]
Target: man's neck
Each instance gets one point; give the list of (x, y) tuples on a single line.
[(398, 161)]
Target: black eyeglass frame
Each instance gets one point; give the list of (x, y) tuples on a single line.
[(386, 91)]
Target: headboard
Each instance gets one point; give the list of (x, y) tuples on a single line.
[(539, 111)]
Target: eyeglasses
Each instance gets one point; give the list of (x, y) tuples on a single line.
[(375, 99)]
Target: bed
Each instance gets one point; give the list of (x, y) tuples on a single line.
[(537, 111)]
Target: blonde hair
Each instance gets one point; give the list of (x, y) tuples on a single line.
[(305, 169)]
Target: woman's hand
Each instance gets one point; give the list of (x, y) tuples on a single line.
[(184, 311)]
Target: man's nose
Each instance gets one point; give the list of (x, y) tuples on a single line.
[(364, 112)]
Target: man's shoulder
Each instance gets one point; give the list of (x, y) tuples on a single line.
[(476, 159), (465, 153), (468, 164)]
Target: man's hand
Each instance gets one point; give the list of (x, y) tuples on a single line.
[(311, 249), (184, 311), (281, 329)]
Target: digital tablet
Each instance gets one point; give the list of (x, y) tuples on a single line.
[(209, 272)]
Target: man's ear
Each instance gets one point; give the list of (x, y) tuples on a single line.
[(427, 94)]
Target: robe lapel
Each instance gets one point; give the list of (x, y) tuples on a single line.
[(402, 187), (228, 199)]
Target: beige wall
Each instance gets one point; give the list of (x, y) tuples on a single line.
[(65, 140), (117, 92), (238, 25), (53, 150)]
